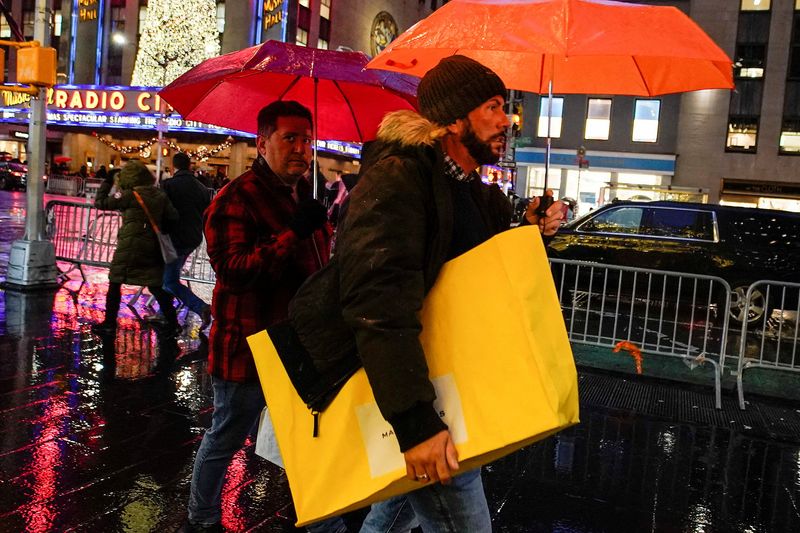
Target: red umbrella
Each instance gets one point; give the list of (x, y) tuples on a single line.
[(349, 101)]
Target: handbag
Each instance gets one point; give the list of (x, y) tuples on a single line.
[(168, 252), (496, 391)]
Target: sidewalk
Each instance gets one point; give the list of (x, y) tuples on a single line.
[(95, 442)]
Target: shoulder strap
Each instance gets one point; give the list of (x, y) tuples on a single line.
[(147, 212)]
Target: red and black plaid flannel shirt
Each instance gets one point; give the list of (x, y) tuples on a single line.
[(259, 264)]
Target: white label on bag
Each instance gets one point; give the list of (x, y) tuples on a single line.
[(383, 451)]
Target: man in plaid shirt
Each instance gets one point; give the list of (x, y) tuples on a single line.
[(265, 236)]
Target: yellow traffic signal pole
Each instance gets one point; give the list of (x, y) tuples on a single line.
[(32, 262)]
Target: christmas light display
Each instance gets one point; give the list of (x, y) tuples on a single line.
[(176, 35), (201, 154)]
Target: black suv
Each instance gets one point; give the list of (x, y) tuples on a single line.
[(13, 175), (740, 245)]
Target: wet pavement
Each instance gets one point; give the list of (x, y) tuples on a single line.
[(101, 438)]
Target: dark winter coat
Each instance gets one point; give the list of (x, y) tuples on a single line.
[(190, 198), (137, 258), (392, 243), (259, 262)]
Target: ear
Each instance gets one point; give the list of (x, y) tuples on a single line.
[(456, 127), (261, 144)]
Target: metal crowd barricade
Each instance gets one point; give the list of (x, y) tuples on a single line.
[(67, 185), (82, 234), (771, 341), (85, 235), (664, 313)]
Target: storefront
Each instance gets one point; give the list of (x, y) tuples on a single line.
[(595, 178), (95, 125), (763, 194)]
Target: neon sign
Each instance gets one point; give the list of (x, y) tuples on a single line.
[(96, 106), (102, 99), (273, 14), (87, 10)]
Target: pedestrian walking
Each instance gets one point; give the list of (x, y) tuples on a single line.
[(137, 258), (265, 235), (190, 198), (419, 203)]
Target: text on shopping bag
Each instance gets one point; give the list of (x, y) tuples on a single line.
[(383, 450)]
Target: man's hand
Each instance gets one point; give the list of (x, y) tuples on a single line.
[(311, 215), (552, 221), (432, 460)]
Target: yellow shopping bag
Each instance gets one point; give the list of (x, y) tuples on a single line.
[(500, 361)]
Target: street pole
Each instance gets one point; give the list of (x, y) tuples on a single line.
[(32, 262)]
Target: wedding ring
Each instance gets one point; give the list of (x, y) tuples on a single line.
[(422, 476)]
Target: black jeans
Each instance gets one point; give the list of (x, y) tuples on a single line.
[(114, 298)]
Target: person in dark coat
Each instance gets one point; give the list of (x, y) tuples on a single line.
[(419, 202), (137, 258), (190, 198), (102, 173), (265, 235)]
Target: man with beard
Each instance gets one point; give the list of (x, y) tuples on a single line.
[(419, 202)]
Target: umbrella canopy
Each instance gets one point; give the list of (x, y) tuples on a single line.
[(583, 46), (348, 101)]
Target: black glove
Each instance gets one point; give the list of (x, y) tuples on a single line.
[(311, 215)]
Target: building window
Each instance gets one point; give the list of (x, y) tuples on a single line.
[(598, 119), (302, 37), (325, 30), (305, 3), (555, 120), (142, 18), (5, 28), (755, 5), (118, 19), (322, 44), (749, 66), (220, 17), (28, 17), (325, 9), (58, 21), (790, 128), (645, 120)]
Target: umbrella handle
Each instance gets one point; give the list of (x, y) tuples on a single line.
[(545, 201)]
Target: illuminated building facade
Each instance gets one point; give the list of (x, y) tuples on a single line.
[(94, 108)]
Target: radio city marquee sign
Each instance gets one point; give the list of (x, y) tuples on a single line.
[(92, 106), (103, 107)]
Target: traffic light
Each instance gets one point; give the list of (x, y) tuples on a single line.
[(516, 120), (36, 66)]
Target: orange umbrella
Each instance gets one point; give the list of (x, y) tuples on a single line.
[(582, 46), (567, 47)]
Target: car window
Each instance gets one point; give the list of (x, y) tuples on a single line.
[(765, 229), (620, 220), (680, 223)]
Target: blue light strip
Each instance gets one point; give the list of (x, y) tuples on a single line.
[(100, 120), (285, 21), (98, 62), (73, 40), (258, 21)]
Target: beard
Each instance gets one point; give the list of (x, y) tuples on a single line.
[(481, 151)]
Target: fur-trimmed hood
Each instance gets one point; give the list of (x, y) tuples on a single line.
[(409, 128)]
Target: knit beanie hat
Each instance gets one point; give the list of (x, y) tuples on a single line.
[(456, 86)]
